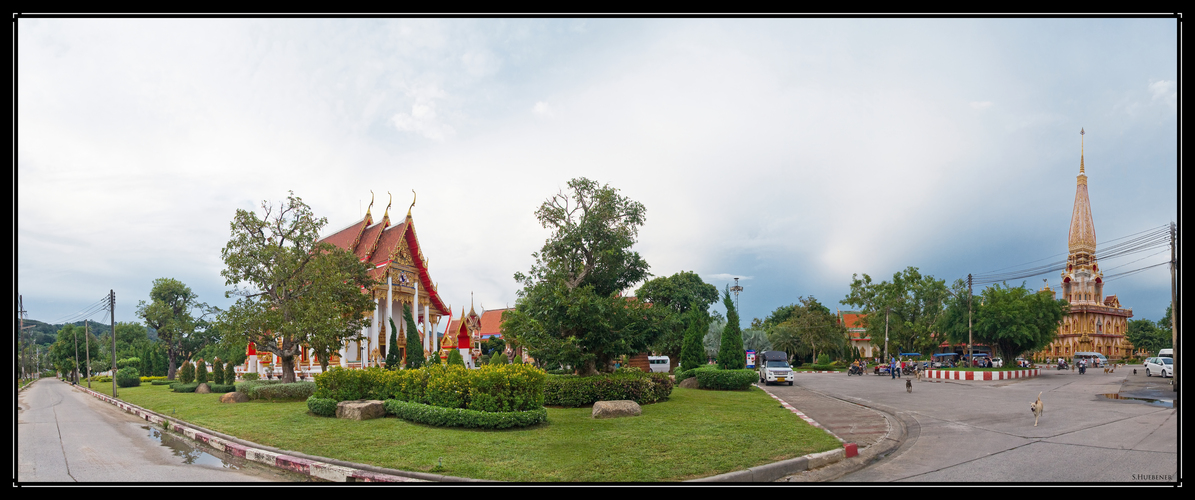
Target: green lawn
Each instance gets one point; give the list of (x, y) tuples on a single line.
[(695, 433)]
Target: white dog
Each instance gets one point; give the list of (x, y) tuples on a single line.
[(1037, 408)]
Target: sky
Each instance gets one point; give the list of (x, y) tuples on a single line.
[(790, 153)]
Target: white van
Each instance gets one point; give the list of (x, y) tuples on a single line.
[(659, 364), (1166, 353)]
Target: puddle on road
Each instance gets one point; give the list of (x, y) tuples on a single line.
[(193, 455), (1165, 403), (189, 453)]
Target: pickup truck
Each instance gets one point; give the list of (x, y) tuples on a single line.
[(773, 367)]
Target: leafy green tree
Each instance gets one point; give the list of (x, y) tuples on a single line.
[(293, 291), (64, 355), (186, 373), (731, 355), (713, 335), (1148, 335), (755, 339), (230, 373), (1010, 320), (415, 357), (679, 293), (201, 371), (493, 344), (454, 357), (571, 302), (909, 306), (392, 360), (692, 352), (174, 311), (808, 328), (217, 371)]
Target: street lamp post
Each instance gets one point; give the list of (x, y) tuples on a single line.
[(736, 289)]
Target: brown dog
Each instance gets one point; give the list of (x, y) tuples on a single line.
[(909, 385), (1037, 409)]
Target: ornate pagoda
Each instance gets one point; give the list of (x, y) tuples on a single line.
[(1096, 322), (398, 264)]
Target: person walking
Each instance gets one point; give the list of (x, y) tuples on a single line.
[(892, 367)]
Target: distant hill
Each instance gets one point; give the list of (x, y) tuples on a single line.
[(45, 333)]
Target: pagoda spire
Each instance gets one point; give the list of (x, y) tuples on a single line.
[(1082, 230)]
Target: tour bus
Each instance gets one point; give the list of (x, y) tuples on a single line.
[(659, 363), (1094, 359)]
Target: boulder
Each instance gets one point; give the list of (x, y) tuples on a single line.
[(203, 389), (234, 397), (689, 383), (615, 409), (360, 409)]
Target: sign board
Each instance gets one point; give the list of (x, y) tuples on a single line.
[(751, 359)]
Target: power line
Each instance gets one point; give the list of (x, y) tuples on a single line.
[(1134, 243), (101, 304)]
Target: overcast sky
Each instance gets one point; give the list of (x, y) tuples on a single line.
[(791, 153)]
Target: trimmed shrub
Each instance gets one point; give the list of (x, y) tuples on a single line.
[(221, 388), (823, 359), (133, 362), (725, 380), (506, 388), (218, 372), (186, 373), (147, 380), (181, 387), (447, 386), (162, 381), (454, 358), (230, 374), (460, 417), (201, 371), (323, 407), (634, 385), (249, 388), (251, 376), (128, 377), (284, 392)]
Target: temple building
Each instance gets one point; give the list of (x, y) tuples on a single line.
[(400, 268), (857, 333), (1096, 321)]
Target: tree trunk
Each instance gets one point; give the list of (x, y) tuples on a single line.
[(587, 369), (288, 369), (172, 366)]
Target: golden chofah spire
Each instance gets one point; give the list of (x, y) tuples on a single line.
[(1081, 149), (370, 204), (387, 214), (412, 202)]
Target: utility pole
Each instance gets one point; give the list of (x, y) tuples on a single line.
[(76, 337), (87, 345), (112, 310), (21, 332), (970, 294), (1174, 307)]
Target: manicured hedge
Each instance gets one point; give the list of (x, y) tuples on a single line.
[(461, 417), (495, 388), (284, 392), (322, 406), (163, 381), (725, 380), (128, 377), (222, 388), (181, 387), (573, 391)]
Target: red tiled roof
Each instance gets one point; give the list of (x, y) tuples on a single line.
[(345, 237), (851, 319), (386, 243), (491, 321)]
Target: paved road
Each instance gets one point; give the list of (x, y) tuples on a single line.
[(64, 435), (984, 432)]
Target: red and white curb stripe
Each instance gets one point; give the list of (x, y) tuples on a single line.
[(850, 449), (971, 375), (313, 468)]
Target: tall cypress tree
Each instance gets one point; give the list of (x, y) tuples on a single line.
[(731, 355), (414, 347), (392, 360), (692, 354)]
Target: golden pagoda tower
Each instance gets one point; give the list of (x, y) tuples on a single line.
[(1095, 323)]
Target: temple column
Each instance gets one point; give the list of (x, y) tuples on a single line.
[(390, 300), (427, 325)]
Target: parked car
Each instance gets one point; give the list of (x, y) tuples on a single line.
[(997, 362), (659, 364), (773, 367), (1161, 366)]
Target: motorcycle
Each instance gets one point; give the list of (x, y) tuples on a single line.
[(854, 370), (1063, 366)]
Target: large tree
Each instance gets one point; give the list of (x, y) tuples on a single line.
[(571, 302), (175, 312), (293, 292), (806, 328), (1146, 334), (678, 293), (731, 355), (909, 306), (697, 324), (1011, 321)]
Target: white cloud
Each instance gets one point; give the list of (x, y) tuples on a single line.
[(422, 119), (1165, 91), (981, 104), (542, 109)]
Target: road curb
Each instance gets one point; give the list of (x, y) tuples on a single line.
[(317, 467)]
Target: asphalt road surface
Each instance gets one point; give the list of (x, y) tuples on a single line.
[(65, 435), (966, 432)]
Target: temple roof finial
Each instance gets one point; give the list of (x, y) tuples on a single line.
[(370, 203), (413, 198), (1081, 133)]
